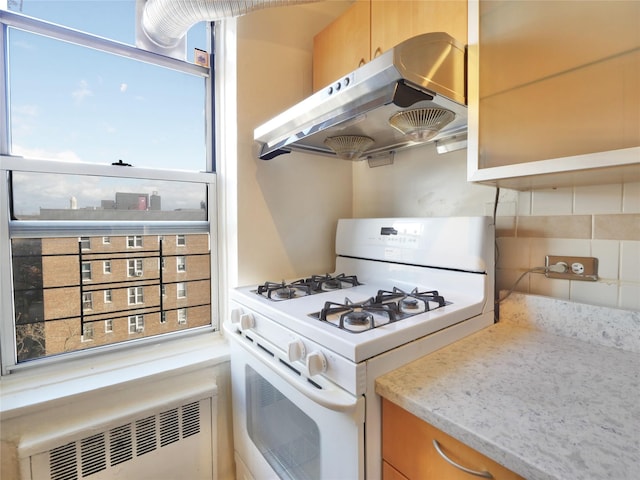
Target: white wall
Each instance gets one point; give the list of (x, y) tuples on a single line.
[(287, 207)]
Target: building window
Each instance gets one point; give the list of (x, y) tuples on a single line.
[(108, 326), (135, 295), (87, 332), (163, 317), (85, 243), (163, 290), (86, 271), (134, 267), (182, 264), (107, 266), (87, 301), (181, 240), (134, 241), (182, 289), (136, 324), (108, 296), (182, 316), (106, 240)]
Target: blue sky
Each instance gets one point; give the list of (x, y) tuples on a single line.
[(76, 104)]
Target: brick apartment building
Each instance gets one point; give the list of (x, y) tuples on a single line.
[(74, 293)]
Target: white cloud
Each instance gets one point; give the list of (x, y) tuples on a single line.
[(123, 87), (40, 153), (82, 91)]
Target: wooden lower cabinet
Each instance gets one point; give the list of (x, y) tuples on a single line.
[(408, 451)]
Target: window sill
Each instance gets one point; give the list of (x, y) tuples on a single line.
[(43, 388)]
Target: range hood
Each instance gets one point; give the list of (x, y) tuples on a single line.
[(418, 82)]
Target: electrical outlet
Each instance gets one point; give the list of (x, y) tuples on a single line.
[(576, 268)]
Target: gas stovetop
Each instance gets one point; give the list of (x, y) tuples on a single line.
[(395, 280)]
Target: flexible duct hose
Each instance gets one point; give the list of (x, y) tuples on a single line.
[(165, 22)]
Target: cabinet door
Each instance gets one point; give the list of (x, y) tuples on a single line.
[(554, 83), (342, 46), (390, 473), (393, 21), (407, 445)]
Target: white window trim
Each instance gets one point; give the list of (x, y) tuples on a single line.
[(181, 264), (108, 326), (184, 290), (108, 296), (106, 267), (138, 295)]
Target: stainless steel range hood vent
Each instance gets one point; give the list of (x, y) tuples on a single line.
[(425, 73)]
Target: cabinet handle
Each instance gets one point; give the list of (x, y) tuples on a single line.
[(362, 62), (377, 52), (436, 445)]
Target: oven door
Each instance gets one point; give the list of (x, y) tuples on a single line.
[(288, 427)]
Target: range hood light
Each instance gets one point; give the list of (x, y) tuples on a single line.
[(349, 147), (421, 124)]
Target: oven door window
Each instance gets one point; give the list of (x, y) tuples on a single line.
[(285, 436)]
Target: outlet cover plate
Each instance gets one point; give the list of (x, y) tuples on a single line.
[(590, 265)]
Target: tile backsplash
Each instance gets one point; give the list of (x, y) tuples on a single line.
[(600, 221)]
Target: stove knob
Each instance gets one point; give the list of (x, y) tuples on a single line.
[(295, 350), (247, 321), (316, 363), (235, 315)]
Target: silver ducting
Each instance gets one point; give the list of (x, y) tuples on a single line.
[(166, 22)]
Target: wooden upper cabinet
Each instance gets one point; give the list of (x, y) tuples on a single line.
[(408, 451), (554, 93), (393, 21), (371, 27), (342, 46)]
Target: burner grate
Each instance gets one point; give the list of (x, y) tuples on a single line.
[(306, 286), (386, 307)]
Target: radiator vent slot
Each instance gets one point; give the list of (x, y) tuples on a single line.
[(93, 454), (124, 443), (121, 441), (63, 462)]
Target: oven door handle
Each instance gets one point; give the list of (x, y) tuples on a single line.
[(331, 396)]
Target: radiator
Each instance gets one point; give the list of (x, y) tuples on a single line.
[(171, 444)]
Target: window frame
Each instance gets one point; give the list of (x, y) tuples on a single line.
[(47, 229)]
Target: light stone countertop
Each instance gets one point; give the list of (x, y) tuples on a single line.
[(538, 400)]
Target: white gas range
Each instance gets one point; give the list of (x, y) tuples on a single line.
[(306, 353)]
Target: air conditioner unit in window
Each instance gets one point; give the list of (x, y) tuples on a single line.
[(138, 273)]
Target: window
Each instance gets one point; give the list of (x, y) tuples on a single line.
[(86, 270), (135, 295), (136, 324), (70, 210), (134, 241), (163, 290), (163, 317), (181, 240), (182, 289), (182, 264), (87, 301), (182, 316), (87, 332), (134, 267)]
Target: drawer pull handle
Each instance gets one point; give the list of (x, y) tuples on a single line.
[(436, 445)]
